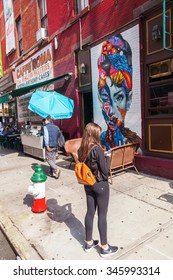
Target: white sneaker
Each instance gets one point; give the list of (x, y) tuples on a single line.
[(57, 174)]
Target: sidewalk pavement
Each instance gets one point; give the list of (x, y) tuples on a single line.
[(140, 216)]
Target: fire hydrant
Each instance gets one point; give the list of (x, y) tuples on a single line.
[(37, 189)]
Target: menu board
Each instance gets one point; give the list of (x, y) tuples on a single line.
[(24, 114)]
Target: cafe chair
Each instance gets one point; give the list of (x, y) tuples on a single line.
[(122, 158), (3, 142), (71, 147)]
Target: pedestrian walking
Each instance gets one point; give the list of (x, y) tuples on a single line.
[(97, 196), (51, 133)]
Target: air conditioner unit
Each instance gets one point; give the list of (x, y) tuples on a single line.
[(41, 34), (160, 69)]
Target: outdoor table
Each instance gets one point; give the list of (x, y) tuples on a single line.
[(11, 140)]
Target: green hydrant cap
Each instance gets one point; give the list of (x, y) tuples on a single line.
[(39, 176)]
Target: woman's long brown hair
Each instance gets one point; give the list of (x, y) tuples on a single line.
[(90, 136)]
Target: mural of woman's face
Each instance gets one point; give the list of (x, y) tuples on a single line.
[(119, 101), (115, 79), (114, 89)]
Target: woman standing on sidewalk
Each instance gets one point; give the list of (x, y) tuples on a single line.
[(97, 196)]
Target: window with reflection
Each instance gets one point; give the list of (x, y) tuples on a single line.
[(161, 99), (81, 5), (19, 35), (43, 13)]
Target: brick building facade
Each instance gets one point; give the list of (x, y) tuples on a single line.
[(82, 36)]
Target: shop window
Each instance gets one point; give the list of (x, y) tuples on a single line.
[(161, 88), (19, 35), (43, 13), (161, 100), (81, 5)]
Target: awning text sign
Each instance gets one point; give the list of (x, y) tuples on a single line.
[(36, 69)]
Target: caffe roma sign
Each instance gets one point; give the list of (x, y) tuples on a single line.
[(36, 69)]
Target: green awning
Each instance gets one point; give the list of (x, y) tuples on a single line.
[(21, 91), (4, 98)]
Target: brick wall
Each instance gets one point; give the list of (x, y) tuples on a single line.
[(104, 17)]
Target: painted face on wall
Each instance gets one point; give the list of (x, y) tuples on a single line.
[(115, 84), (119, 101)]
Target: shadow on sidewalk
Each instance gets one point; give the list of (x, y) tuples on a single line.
[(171, 185), (28, 200), (63, 164), (63, 214), (66, 163), (168, 197), (45, 167)]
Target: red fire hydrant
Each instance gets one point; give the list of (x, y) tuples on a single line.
[(37, 189)]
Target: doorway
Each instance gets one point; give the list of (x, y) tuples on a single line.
[(87, 109)]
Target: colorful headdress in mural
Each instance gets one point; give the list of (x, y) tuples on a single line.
[(115, 63)]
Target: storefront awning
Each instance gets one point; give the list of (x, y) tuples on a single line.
[(24, 90), (4, 98)]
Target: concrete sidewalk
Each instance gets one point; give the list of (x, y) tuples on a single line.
[(140, 216)]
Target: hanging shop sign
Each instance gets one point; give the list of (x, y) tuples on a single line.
[(9, 26)]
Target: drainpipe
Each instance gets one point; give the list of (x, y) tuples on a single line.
[(80, 33)]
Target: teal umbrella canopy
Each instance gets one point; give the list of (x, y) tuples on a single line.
[(45, 103)]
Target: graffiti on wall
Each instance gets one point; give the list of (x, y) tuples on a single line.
[(115, 94)]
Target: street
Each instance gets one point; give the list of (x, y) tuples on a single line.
[(6, 251)]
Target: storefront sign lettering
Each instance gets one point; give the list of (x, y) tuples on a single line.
[(37, 65), (36, 69)]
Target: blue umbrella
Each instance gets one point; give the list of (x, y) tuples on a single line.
[(52, 103)]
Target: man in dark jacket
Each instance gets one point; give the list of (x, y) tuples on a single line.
[(51, 133)]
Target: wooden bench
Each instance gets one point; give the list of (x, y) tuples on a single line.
[(122, 158), (71, 147)]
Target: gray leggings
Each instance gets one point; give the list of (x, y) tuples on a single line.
[(97, 197)]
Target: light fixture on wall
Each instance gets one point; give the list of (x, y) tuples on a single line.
[(156, 32), (116, 2), (56, 42), (82, 68)]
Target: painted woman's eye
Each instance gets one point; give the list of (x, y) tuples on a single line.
[(104, 96), (118, 97)]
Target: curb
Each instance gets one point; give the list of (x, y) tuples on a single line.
[(20, 245)]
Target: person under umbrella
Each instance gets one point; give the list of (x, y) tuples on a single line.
[(51, 133)]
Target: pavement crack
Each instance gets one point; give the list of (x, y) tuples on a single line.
[(35, 248), (143, 240)]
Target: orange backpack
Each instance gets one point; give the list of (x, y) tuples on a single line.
[(83, 173)]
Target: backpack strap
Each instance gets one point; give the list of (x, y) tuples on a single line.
[(90, 151), (75, 156)]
